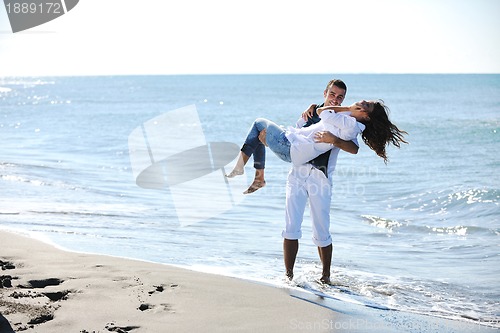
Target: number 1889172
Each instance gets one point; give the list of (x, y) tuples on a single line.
[(32, 8)]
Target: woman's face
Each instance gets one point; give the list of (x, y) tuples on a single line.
[(364, 116), (368, 106)]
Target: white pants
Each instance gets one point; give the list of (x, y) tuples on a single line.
[(305, 182)]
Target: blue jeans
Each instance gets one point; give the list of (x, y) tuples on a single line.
[(275, 139)]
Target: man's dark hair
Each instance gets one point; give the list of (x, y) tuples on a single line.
[(337, 82)]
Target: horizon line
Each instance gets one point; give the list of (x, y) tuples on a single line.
[(261, 74)]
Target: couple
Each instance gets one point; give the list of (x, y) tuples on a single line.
[(312, 147)]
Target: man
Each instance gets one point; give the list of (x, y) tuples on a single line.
[(313, 181)]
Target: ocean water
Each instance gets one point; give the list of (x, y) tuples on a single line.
[(420, 234)]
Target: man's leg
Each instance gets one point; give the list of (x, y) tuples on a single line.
[(325, 254), (295, 204), (319, 199), (290, 249)]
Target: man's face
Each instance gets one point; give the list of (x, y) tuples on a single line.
[(334, 96)]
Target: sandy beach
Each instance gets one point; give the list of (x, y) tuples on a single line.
[(45, 289), (57, 291)]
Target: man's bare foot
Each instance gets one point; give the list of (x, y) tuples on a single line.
[(235, 173), (289, 275), (325, 280), (257, 184)]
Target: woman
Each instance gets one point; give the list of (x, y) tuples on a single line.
[(300, 145)]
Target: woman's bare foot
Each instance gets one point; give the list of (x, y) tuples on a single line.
[(257, 184), (239, 168), (235, 173)]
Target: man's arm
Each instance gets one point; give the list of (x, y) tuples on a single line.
[(308, 117), (341, 126), (328, 137)]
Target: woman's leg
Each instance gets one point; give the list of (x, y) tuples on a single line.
[(245, 152), (250, 147), (275, 140), (258, 182), (278, 143), (259, 164), (239, 168), (253, 146)]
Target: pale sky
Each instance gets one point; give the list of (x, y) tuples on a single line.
[(112, 37)]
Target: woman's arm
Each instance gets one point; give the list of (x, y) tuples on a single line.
[(327, 137), (352, 108)]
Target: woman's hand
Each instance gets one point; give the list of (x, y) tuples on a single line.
[(309, 112), (358, 106)]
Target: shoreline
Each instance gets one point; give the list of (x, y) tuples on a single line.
[(47, 289)]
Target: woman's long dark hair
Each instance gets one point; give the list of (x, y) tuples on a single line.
[(380, 132)]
